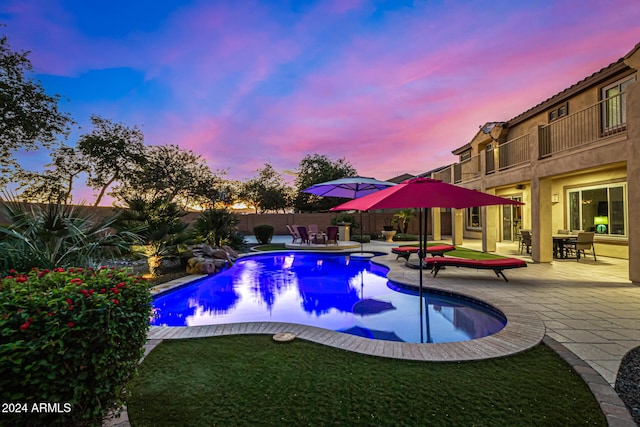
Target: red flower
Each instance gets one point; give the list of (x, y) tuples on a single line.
[(68, 300), (49, 314), (115, 301), (103, 290), (76, 281), (71, 324), (115, 290), (21, 279), (12, 271), (121, 285), (59, 270), (26, 324)]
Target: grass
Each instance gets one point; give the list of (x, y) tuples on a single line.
[(251, 380)]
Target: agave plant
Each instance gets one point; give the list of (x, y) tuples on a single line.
[(216, 226), (56, 235)]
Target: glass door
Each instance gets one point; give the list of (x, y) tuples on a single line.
[(511, 220)]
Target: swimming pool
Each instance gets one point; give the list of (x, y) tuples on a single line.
[(332, 291)]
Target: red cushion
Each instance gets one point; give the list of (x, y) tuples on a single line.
[(411, 249)]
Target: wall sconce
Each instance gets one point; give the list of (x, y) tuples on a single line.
[(555, 198), (519, 187), (601, 223)]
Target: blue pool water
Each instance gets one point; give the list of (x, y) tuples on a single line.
[(331, 291)]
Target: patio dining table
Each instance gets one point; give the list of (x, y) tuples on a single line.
[(560, 242)]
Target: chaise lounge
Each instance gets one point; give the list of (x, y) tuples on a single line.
[(436, 250), (497, 265)]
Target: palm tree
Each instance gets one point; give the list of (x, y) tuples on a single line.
[(402, 218)]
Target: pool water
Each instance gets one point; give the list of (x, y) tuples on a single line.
[(331, 291)]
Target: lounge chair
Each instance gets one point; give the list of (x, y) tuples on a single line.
[(497, 265), (435, 250)]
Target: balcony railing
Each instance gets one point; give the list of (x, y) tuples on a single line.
[(467, 169), (514, 152), (443, 175), (605, 118)]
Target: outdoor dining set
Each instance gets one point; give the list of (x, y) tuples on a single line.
[(311, 234), (566, 244)]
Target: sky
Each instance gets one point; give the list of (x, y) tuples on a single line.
[(391, 86)]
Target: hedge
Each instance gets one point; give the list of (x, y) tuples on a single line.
[(71, 340)]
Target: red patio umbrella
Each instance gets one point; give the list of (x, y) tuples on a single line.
[(424, 193)]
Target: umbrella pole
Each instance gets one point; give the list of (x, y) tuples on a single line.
[(420, 252), (361, 239)]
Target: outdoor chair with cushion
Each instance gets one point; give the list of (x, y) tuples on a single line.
[(525, 240), (332, 235), (304, 236), (583, 243), (294, 234)]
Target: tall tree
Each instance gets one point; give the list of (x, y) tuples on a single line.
[(29, 118), (55, 184), (172, 174), (314, 169), (115, 151), (267, 191)]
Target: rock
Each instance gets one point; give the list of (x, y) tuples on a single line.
[(628, 382)]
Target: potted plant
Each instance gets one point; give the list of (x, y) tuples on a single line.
[(388, 230)]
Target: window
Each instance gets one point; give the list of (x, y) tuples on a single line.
[(474, 219), (614, 107), (465, 156), (558, 112), (600, 208)]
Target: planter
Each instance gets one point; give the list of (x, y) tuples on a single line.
[(388, 235)]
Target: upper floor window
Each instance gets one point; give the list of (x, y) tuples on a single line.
[(465, 156), (558, 112), (599, 208), (614, 107)]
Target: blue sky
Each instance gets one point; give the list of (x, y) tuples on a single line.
[(392, 86)]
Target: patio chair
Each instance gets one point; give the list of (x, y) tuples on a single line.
[(332, 235), (564, 232), (583, 243), (525, 240), (294, 233), (304, 236)]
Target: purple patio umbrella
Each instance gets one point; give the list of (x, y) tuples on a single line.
[(352, 187)]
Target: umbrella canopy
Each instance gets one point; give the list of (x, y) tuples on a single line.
[(424, 193), (349, 188)]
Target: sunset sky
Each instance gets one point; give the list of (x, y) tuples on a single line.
[(392, 86)]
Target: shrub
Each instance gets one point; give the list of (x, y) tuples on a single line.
[(365, 238), (216, 226), (70, 337), (263, 233)]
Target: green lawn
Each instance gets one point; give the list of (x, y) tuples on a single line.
[(249, 380)]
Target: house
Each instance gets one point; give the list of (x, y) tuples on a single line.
[(574, 159)]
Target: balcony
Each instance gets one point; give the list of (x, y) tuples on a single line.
[(466, 170), (607, 117), (443, 175)]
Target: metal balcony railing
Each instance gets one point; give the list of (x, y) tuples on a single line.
[(467, 169), (514, 152), (607, 117), (443, 175)]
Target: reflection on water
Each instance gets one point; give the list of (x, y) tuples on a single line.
[(331, 291)]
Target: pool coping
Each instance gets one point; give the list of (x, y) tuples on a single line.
[(524, 329)]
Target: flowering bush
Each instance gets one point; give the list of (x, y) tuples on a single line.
[(71, 339)]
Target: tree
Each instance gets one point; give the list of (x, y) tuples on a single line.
[(267, 191), (114, 151), (314, 169), (29, 118), (215, 226), (172, 174), (55, 184)]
